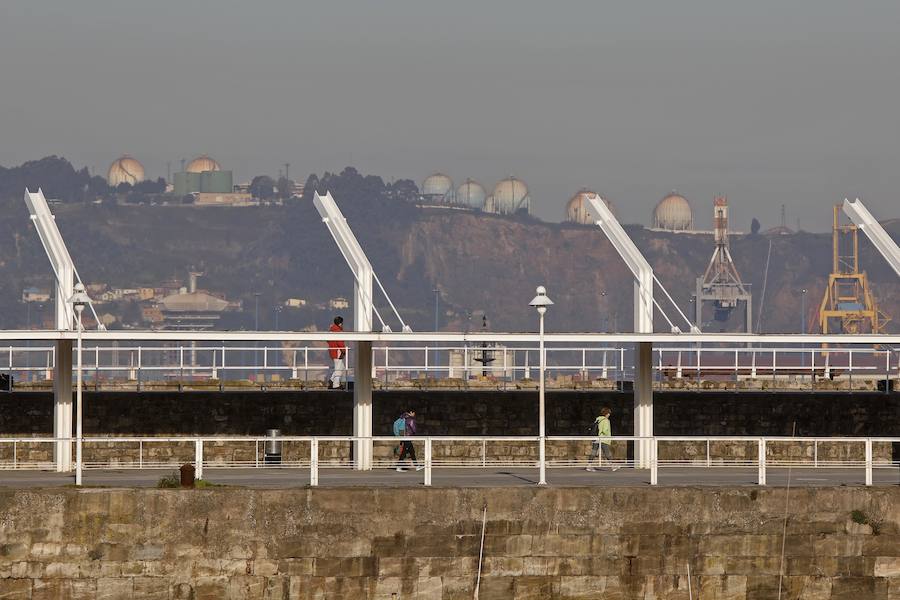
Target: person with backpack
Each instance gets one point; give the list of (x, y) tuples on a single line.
[(337, 349), (600, 446), (405, 426)]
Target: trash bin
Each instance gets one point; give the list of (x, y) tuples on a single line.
[(187, 475), (273, 447)]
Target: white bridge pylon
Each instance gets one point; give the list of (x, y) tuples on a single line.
[(870, 226), (643, 323), (65, 276), (363, 309)]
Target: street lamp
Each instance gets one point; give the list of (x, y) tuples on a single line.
[(803, 310), (541, 302), (79, 299), (803, 325), (605, 311)]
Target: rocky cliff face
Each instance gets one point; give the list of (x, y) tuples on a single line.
[(479, 262), (493, 264)]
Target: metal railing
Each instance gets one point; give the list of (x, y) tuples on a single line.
[(393, 365), (761, 453)]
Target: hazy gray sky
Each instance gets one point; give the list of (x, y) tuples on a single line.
[(768, 101)]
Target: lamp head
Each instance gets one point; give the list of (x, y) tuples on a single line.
[(79, 297), (541, 301)]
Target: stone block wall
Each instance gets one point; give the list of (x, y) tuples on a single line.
[(566, 543)]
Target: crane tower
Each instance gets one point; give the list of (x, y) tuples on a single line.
[(721, 284), (848, 305)]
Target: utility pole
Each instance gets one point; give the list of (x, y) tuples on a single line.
[(287, 170)]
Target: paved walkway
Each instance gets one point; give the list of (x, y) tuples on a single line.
[(458, 477)]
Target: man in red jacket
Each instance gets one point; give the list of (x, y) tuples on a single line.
[(338, 351)]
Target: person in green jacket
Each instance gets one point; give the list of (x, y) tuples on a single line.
[(600, 447)]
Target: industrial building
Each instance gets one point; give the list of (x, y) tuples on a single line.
[(203, 175), (125, 169), (673, 213), (578, 210)]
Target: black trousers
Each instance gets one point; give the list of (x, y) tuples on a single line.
[(407, 451)]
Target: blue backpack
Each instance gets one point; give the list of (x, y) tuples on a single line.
[(400, 427)]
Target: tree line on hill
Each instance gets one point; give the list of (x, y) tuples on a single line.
[(60, 180)]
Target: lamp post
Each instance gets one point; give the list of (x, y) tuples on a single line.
[(803, 324), (541, 302), (256, 296), (803, 310), (605, 311), (79, 299), (437, 300)]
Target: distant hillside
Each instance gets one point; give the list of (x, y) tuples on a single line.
[(479, 262)]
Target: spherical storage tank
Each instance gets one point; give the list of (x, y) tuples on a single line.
[(673, 213), (471, 193), (438, 187), (125, 170), (509, 196), (201, 164), (578, 209)]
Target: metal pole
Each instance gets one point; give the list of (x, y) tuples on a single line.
[(437, 297), (78, 407), (542, 425)]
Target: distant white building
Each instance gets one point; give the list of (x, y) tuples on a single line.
[(338, 303), (295, 302), (33, 294)]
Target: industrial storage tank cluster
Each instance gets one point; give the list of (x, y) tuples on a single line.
[(509, 196), (578, 209), (673, 213), (125, 169)]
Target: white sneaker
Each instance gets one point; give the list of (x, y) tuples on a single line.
[(591, 469), (419, 468), (400, 470), (616, 468)]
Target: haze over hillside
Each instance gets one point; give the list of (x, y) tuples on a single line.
[(482, 264)]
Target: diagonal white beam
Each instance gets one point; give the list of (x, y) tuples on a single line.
[(870, 226)]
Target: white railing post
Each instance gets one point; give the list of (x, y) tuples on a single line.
[(314, 462), (198, 459), (868, 461), (654, 462), (428, 461), (708, 457), (762, 461), (816, 453), (140, 454)]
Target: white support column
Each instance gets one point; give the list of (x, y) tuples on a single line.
[(362, 407), (62, 405), (643, 403)]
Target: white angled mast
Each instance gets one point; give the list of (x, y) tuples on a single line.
[(870, 226), (640, 268), (60, 261)]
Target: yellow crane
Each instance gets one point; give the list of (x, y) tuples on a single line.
[(848, 305)]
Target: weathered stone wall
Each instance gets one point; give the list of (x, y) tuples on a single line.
[(610, 543)]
